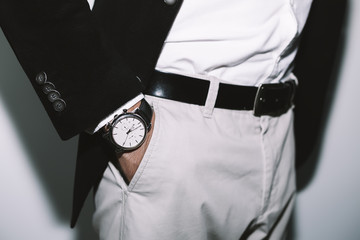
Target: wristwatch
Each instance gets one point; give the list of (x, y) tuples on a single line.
[(128, 130)]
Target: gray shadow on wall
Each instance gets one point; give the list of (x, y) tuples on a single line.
[(317, 66), (53, 159)]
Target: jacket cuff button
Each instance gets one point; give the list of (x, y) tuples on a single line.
[(48, 87), (41, 78), (53, 96), (59, 105), (170, 2)]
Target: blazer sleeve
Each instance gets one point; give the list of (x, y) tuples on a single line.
[(79, 77)]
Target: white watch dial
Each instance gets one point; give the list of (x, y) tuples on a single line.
[(129, 132)]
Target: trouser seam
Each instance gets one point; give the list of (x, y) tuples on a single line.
[(264, 197)]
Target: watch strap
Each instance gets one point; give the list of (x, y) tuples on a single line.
[(145, 111)]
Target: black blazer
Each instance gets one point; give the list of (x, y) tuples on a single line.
[(98, 60), (94, 60)]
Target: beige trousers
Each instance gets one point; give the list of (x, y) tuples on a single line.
[(228, 175)]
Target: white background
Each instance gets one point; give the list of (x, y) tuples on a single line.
[(37, 169)]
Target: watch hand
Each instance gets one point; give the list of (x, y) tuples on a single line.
[(127, 135), (131, 130)]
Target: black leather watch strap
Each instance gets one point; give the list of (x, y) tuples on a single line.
[(145, 111)]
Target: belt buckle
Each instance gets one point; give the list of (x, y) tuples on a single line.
[(274, 99)]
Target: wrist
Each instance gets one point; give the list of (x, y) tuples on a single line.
[(135, 106)]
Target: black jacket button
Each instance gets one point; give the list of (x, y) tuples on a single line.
[(41, 78), (48, 87), (59, 105), (170, 2), (53, 95)]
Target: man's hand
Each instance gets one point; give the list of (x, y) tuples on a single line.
[(129, 162)]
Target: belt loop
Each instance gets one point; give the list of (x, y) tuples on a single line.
[(211, 97)]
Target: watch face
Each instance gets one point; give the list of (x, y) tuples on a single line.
[(129, 132)]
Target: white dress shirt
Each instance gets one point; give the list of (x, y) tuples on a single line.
[(242, 42)]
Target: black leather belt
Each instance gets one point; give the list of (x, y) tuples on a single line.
[(267, 99)]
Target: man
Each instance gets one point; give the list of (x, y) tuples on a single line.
[(212, 158)]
